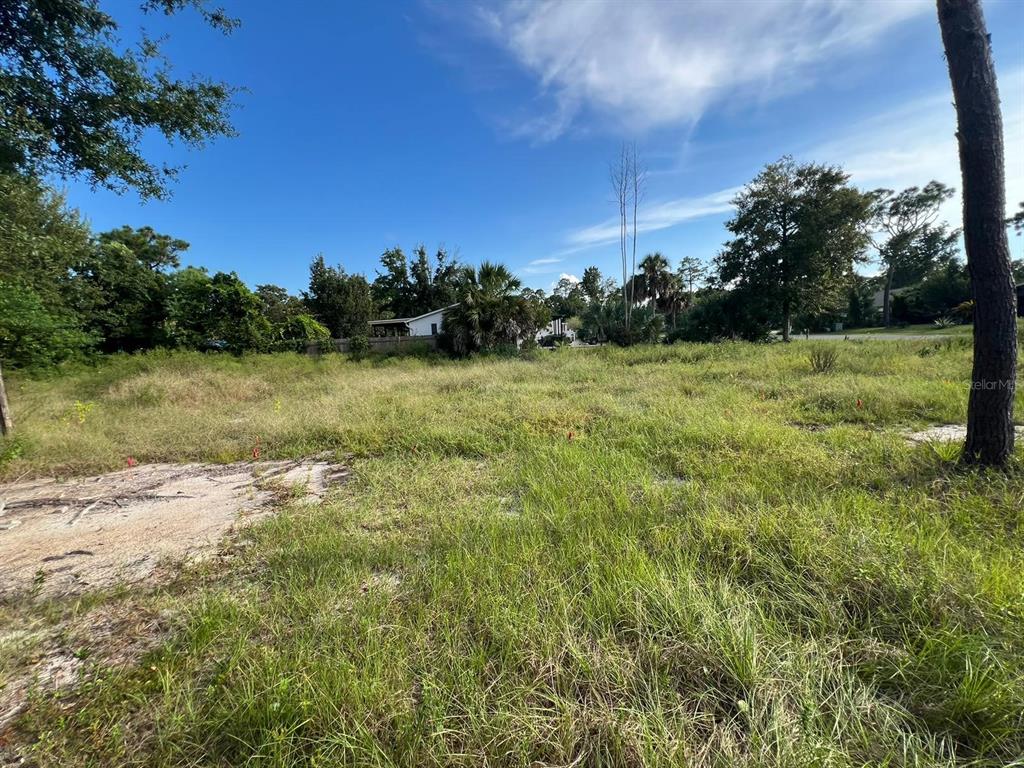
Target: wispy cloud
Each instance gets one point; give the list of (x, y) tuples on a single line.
[(648, 63), (541, 262), (654, 217), (916, 143)]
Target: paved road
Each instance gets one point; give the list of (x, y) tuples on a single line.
[(872, 336)]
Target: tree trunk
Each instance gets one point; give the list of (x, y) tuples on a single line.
[(6, 424), (980, 136), (887, 299), (787, 319)]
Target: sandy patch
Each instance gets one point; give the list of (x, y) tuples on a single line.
[(948, 433), (63, 537), (57, 659)]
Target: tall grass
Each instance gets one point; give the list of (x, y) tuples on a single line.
[(687, 555)]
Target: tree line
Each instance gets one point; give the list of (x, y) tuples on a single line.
[(66, 292), (798, 233)]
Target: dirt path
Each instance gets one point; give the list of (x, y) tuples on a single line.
[(67, 537)]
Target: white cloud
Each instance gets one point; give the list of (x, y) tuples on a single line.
[(655, 216), (648, 63), (908, 146), (916, 143), (569, 277), (542, 262)]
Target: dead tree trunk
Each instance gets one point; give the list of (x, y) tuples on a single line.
[(887, 299), (980, 136), (6, 424)]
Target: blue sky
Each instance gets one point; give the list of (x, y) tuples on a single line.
[(489, 127)]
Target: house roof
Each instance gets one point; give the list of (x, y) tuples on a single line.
[(395, 320)]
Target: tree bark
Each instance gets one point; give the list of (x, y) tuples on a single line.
[(6, 424), (980, 137), (787, 319), (887, 299)]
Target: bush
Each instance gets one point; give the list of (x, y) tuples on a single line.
[(720, 315), (358, 347), (964, 311), (31, 335), (607, 322)]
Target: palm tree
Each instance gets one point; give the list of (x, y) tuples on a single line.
[(489, 313), (654, 279), (676, 298), (496, 281)]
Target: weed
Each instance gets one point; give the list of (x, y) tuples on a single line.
[(823, 359), (509, 580)]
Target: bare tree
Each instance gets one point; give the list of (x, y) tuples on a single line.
[(628, 180), (980, 137), (619, 177), (638, 183)]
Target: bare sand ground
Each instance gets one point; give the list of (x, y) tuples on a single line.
[(67, 537), (60, 538), (948, 433)]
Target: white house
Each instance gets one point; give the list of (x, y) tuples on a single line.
[(557, 327), (432, 323), (428, 324)]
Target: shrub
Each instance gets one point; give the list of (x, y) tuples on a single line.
[(964, 311), (717, 315), (606, 321), (823, 360), (31, 335), (358, 346)]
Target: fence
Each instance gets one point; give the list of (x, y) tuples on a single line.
[(395, 344)]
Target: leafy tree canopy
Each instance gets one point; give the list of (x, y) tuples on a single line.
[(799, 229), (342, 302), (567, 299), (41, 239), (404, 289), (77, 101), (217, 312), (910, 240), (32, 334)]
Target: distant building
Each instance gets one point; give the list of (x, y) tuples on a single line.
[(557, 327), (428, 324), (878, 300), (432, 323)]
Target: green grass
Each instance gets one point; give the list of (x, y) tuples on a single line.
[(687, 555)]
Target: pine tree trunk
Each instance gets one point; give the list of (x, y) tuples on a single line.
[(6, 424), (887, 299), (980, 136), (787, 320)]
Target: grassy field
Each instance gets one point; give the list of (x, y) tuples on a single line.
[(687, 555)]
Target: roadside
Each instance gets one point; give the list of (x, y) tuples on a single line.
[(840, 336)]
